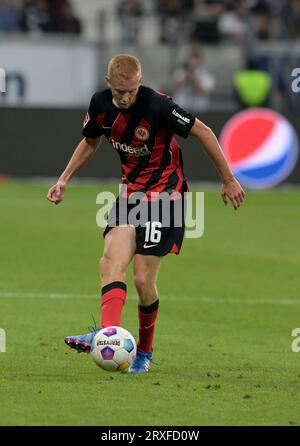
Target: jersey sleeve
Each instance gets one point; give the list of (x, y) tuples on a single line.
[(175, 118), (90, 127)]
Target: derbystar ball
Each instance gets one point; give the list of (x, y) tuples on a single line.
[(113, 349)]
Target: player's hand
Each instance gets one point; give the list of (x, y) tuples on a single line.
[(56, 192), (233, 190)]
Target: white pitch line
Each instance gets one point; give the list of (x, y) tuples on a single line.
[(207, 299)]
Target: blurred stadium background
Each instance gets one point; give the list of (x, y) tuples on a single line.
[(55, 53)]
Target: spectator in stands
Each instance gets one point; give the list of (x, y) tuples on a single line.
[(129, 13), (63, 19), (8, 17), (209, 8), (175, 19), (192, 84), (55, 16), (262, 28), (206, 16), (35, 16), (261, 17), (233, 23), (291, 17)]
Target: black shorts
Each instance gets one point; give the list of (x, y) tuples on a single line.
[(159, 226)]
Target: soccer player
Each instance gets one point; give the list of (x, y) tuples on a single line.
[(140, 123)]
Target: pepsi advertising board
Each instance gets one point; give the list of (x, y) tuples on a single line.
[(261, 147)]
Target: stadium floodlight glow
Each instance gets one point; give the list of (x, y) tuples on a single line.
[(296, 81), (2, 341), (2, 81)]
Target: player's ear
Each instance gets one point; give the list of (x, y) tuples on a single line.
[(107, 81)]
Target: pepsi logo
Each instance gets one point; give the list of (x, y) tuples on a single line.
[(261, 147)]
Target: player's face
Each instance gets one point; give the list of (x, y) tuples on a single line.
[(124, 91)]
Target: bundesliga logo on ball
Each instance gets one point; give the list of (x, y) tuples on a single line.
[(261, 147), (113, 349)]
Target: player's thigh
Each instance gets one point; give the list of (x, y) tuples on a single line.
[(119, 246), (146, 269)]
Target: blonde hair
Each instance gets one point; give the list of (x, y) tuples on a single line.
[(124, 66)]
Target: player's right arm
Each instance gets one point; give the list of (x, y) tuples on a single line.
[(84, 151)]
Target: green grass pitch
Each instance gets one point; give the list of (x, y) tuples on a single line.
[(229, 303)]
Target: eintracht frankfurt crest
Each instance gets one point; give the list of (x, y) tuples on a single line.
[(141, 133)]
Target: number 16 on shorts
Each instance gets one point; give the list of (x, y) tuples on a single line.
[(153, 233)]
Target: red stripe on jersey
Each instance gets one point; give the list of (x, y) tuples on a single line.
[(117, 131), (120, 125), (100, 119), (159, 148), (170, 168), (165, 178), (132, 160), (155, 160), (175, 149), (179, 171), (163, 94), (179, 185)]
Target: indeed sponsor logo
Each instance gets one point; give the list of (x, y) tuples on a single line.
[(183, 118), (136, 151)]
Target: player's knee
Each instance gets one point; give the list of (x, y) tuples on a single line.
[(109, 266), (143, 284), (105, 265)]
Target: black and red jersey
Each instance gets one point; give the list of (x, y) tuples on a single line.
[(143, 135)]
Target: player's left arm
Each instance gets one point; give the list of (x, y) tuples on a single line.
[(230, 187)]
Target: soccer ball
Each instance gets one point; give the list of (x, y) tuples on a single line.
[(113, 349)]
